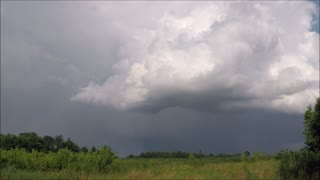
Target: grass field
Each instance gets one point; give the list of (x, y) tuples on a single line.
[(205, 168)]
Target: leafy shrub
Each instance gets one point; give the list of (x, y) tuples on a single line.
[(192, 160), (301, 164), (245, 156), (63, 159)]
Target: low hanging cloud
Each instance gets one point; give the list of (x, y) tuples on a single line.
[(215, 55)]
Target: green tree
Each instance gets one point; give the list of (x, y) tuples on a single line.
[(48, 143), (84, 149), (71, 145), (312, 127), (8, 141), (93, 149), (29, 141), (58, 142)]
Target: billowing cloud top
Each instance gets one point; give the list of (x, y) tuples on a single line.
[(225, 55)]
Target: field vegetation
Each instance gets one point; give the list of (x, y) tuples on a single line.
[(102, 164)]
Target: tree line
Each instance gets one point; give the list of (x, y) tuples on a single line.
[(31, 141), (180, 154)]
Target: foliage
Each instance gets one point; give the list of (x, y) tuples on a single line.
[(192, 160), (180, 154), (64, 158), (312, 127), (245, 156), (84, 149), (303, 164), (31, 141)]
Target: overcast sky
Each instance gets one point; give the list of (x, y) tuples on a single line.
[(161, 76)]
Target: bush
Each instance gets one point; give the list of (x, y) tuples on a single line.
[(301, 164), (63, 159), (192, 160)]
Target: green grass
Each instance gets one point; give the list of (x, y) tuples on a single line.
[(161, 169)]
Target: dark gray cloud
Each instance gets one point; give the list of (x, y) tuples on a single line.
[(49, 50)]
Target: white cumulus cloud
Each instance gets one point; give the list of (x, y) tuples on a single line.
[(208, 55)]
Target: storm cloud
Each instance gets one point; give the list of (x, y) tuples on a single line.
[(160, 76), (224, 55)]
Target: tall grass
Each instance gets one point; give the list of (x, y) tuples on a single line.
[(204, 168)]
